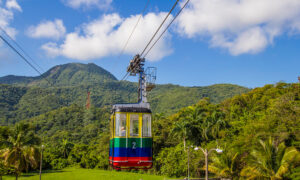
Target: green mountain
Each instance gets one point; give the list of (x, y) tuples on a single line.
[(64, 75), (25, 97)]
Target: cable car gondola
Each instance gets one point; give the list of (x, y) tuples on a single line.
[(130, 127)]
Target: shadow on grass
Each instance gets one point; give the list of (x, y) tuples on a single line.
[(36, 173), (27, 175), (53, 171)]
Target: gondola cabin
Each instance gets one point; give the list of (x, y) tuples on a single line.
[(131, 137), (130, 125)]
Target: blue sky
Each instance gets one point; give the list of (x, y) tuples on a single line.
[(249, 42)]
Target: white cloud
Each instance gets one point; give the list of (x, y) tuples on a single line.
[(51, 49), (107, 36), (101, 4), (12, 4), (241, 26), (7, 15), (48, 29), (250, 41)]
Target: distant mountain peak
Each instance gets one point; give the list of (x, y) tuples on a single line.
[(70, 74), (54, 70)]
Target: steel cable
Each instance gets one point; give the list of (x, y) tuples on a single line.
[(166, 28)]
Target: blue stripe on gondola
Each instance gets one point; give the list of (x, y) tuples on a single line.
[(138, 152)]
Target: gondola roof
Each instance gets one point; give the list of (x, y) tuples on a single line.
[(137, 107)]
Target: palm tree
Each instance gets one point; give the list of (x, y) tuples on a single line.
[(206, 122), (21, 152), (4, 134), (212, 123), (66, 147), (2, 169), (200, 123), (188, 124), (271, 161), (217, 123), (180, 130), (226, 165)]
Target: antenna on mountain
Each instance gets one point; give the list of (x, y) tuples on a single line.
[(88, 101)]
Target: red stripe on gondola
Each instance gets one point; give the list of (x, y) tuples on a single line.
[(131, 162)]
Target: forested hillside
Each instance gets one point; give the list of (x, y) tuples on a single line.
[(28, 97), (258, 132)]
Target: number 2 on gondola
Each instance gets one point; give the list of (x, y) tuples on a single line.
[(133, 145)]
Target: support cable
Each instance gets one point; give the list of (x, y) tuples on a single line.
[(19, 46), (16, 51), (166, 28), (125, 76), (173, 7), (160, 27), (142, 13)]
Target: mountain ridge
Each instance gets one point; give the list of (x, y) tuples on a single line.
[(63, 75), (28, 98)]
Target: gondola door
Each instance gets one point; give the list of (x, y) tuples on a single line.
[(133, 141), (120, 140)]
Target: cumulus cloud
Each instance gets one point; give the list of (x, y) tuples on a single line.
[(12, 4), (107, 36), (240, 26), (7, 15), (47, 29), (101, 4)]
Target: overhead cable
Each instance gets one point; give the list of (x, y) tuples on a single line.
[(166, 28), (142, 13), (16, 51), (173, 7), (19, 46), (160, 26), (125, 76)]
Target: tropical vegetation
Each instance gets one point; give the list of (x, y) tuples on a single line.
[(258, 132)]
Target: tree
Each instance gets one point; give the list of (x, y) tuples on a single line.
[(161, 127), (172, 161), (271, 161), (4, 134), (187, 122), (180, 130), (21, 152), (66, 147), (3, 169), (226, 165), (217, 123)]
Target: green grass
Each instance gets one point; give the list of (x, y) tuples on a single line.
[(85, 174)]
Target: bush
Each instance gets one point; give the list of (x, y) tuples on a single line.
[(59, 163)]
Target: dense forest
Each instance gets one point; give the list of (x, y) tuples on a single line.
[(258, 132), (25, 97)]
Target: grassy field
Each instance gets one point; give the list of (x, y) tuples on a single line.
[(85, 174)]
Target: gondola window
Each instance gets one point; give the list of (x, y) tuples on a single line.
[(146, 125), (134, 125), (121, 125)]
